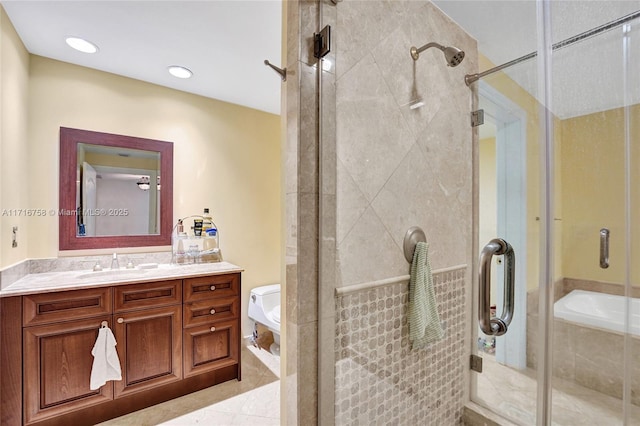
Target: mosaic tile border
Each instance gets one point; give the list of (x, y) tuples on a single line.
[(379, 379)]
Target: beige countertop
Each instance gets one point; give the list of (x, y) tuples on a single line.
[(47, 282)]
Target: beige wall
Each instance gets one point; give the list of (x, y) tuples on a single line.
[(487, 189), (14, 174), (226, 157), (589, 188), (593, 180), (488, 200)]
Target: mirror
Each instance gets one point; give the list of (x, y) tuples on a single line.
[(115, 190)]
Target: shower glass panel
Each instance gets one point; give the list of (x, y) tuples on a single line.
[(595, 102), (595, 147)]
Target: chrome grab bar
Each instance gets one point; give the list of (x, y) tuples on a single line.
[(604, 248), (496, 326)]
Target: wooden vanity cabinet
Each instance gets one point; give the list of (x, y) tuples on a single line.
[(168, 340), (149, 339)]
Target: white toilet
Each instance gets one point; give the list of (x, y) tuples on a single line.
[(264, 308)]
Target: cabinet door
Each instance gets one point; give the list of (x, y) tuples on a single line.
[(57, 368), (211, 346), (149, 347)]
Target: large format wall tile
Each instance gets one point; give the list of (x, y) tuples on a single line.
[(351, 203), (416, 195), (430, 187), (371, 133), (361, 25), (598, 365), (410, 80), (368, 253)]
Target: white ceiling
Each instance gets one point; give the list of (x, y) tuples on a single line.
[(587, 76), (224, 43)]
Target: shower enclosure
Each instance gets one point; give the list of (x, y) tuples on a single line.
[(551, 170), (558, 171)]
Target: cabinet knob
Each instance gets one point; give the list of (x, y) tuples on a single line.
[(120, 320), (213, 329), (213, 311), (213, 287)]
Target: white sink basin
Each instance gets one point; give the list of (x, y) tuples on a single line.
[(112, 273)]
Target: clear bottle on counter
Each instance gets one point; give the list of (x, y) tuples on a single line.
[(211, 250), (178, 241)]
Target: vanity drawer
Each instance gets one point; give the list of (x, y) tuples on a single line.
[(210, 310), (65, 305), (147, 295), (201, 288)]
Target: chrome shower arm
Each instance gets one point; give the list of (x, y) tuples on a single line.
[(452, 55), (416, 51)]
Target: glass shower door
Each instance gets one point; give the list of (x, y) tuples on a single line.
[(507, 183), (594, 336), (583, 247)]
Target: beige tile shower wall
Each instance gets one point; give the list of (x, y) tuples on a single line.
[(300, 385), (399, 167), (379, 379)]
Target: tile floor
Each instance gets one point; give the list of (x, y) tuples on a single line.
[(253, 401), (512, 393)]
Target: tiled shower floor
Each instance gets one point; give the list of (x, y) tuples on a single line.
[(253, 401), (512, 393)]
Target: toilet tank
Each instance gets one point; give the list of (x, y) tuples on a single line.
[(269, 294), (262, 300)]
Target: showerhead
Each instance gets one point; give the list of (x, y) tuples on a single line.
[(453, 55)]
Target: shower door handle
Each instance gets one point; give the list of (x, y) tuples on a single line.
[(604, 248), (496, 326)]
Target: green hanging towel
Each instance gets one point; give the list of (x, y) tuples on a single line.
[(424, 321)]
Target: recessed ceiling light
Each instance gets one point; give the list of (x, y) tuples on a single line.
[(180, 72), (82, 45)]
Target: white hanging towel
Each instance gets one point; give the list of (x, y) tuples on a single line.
[(106, 364)]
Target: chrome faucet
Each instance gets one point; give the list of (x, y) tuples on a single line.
[(114, 262)]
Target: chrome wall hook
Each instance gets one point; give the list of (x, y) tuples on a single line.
[(282, 72), (414, 235)]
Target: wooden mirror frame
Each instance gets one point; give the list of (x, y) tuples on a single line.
[(69, 140)]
